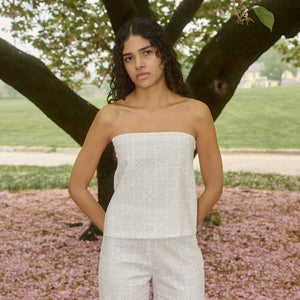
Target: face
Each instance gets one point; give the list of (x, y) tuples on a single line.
[(141, 63)]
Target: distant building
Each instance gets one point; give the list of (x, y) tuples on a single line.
[(252, 77), (288, 78)]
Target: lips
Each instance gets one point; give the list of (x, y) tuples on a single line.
[(142, 76)]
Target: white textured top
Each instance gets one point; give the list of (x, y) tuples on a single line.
[(154, 186)]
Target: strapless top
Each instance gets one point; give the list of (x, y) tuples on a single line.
[(154, 186)]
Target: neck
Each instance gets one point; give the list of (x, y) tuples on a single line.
[(152, 98)]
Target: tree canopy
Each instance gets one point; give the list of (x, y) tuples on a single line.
[(76, 37)]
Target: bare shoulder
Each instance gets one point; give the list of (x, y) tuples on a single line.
[(197, 109), (201, 118), (107, 114)]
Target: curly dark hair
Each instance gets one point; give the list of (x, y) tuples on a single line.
[(121, 84)]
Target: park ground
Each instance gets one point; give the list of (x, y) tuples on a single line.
[(250, 246), (252, 254), (284, 161)]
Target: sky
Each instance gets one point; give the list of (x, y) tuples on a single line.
[(5, 25)]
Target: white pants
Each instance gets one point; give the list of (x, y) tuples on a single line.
[(175, 265)]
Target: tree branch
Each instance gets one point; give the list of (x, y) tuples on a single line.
[(183, 14), (144, 9), (35, 81), (222, 62), (121, 11)]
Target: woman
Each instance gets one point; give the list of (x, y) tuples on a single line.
[(149, 228)]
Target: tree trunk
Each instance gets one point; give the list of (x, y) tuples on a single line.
[(221, 64), (212, 79), (35, 81), (121, 11)]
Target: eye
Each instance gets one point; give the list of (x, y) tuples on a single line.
[(128, 59), (147, 52)]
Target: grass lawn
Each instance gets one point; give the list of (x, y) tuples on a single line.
[(254, 118), (23, 124), (19, 178), (261, 118)]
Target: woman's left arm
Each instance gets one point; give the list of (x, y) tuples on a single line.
[(210, 161)]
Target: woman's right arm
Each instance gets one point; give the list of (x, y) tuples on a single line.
[(98, 137)]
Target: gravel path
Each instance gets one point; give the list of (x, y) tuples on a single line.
[(286, 162)]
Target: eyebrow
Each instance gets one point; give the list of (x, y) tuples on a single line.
[(144, 48)]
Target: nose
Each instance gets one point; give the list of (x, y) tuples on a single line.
[(139, 62)]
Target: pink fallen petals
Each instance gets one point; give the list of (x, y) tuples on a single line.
[(254, 254)]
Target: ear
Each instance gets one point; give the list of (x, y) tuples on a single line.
[(162, 65), (157, 53)]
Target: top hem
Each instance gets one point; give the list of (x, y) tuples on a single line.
[(153, 132), (148, 236)]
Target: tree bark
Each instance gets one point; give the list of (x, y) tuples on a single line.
[(183, 14), (121, 11), (35, 81), (144, 9), (219, 67)]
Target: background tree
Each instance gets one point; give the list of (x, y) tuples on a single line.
[(274, 65), (77, 36), (290, 51)]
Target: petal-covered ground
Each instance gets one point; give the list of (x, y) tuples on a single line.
[(254, 254)]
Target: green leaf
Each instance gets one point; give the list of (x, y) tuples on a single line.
[(265, 16)]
